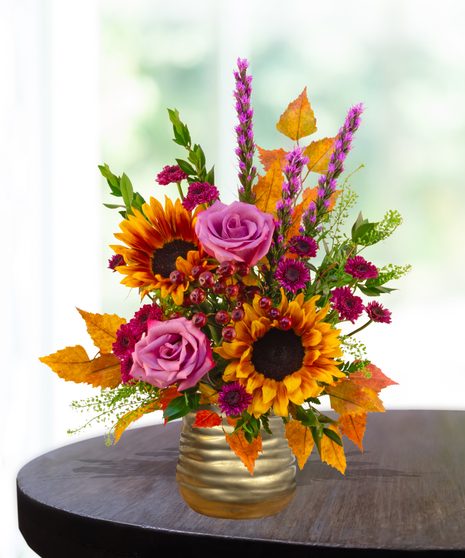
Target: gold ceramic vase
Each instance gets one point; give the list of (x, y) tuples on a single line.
[(213, 481)]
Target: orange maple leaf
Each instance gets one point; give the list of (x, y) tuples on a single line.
[(73, 365), (248, 453), (102, 329), (319, 152), (377, 382), (298, 120), (333, 453), (166, 396), (353, 426), (267, 158), (126, 420), (300, 440), (268, 189), (207, 419), (346, 397)]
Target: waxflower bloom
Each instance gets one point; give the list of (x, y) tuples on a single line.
[(170, 174), (359, 268), (171, 352), (292, 275), (233, 399), (378, 313), (198, 193), (348, 306), (239, 232)]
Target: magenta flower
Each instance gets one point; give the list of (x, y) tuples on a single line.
[(139, 322), (170, 174), (378, 313), (292, 275), (239, 232), (359, 268), (198, 193), (347, 305), (125, 342), (126, 365), (172, 351), (233, 399), (115, 261), (303, 246)]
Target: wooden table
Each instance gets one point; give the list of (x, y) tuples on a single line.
[(405, 493)]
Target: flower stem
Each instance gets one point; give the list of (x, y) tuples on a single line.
[(180, 191), (360, 328)]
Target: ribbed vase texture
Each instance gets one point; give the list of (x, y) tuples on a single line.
[(213, 481)]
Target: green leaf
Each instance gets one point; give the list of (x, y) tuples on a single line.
[(316, 438), (327, 420), (265, 424), (176, 407), (374, 290), (210, 178), (307, 417), (127, 190), (186, 167), (333, 436), (112, 206), (357, 223), (363, 230)]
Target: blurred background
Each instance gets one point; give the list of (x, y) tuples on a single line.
[(86, 83)]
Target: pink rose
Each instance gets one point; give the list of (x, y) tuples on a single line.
[(239, 231), (172, 351)]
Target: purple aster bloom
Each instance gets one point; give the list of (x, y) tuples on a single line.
[(170, 174), (292, 275), (115, 261), (126, 365), (359, 268), (303, 246), (139, 322), (125, 341), (347, 305), (378, 313), (233, 399), (198, 193)]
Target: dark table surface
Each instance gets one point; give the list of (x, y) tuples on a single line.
[(403, 496)]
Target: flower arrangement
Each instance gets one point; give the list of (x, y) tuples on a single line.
[(240, 302)]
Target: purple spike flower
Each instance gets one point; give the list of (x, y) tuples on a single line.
[(327, 183), (244, 132)]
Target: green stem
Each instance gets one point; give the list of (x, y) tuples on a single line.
[(180, 190), (360, 328)]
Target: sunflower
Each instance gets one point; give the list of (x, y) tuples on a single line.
[(160, 241), (280, 366)]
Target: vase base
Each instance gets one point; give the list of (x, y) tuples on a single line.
[(227, 510)]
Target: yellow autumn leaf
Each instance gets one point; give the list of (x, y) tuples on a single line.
[(333, 453), (248, 453), (73, 365), (127, 419), (353, 426), (348, 398), (268, 189), (208, 395), (300, 440), (319, 152), (298, 120), (102, 329)]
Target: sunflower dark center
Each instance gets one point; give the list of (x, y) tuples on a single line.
[(164, 259), (278, 354), (292, 274)]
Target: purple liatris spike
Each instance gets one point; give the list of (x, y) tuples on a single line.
[(327, 183), (246, 146)]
